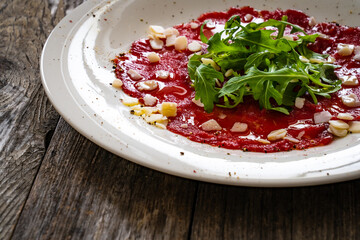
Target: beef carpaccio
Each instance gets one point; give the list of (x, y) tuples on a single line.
[(155, 76)]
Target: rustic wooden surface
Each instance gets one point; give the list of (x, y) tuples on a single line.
[(55, 184)]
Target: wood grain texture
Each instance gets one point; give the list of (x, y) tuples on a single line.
[(26, 116), (327, 212), (85, 192), (322, 212), (81, 191), (242, 213)]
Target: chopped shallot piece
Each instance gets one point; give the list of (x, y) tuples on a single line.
[(321, 117), (300, 135), (171, 31), (170, 40), (134, 75), (194, 25), (149, 100), (349, 80), (264, 141), (299, 102), (222, 115), (312, 21), (211, 125), (350, 100), (147, 85), (156, 44), (345, 49), (210, 24), (248, 17), (291, 139), (197, 102), (162, 74), (239, 127)]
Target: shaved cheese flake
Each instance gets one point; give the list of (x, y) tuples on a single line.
[(169, 109)]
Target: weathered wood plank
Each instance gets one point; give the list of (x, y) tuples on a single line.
[(83, 191), (224, 212), (327, 212), (26, 116), (322, 212)]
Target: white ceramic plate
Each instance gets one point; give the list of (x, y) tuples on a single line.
[(76, 72)]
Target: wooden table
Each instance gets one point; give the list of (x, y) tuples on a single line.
[(55, 184)]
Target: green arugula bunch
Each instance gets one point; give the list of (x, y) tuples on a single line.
[(265, 65)]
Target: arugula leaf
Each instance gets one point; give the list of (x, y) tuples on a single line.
[(203, 38), (263, 85), (305, 51), (216, 46), (256, 59), (231, 61), (273, 73), (205, 85)]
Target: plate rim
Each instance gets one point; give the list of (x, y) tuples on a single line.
[(76, 15)]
